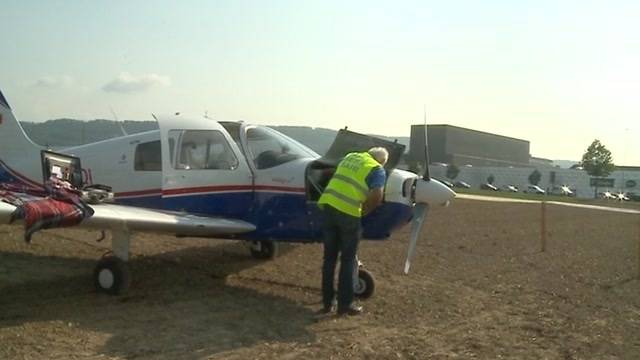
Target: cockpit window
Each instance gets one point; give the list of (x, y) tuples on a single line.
[(269, 148), (202, 149)]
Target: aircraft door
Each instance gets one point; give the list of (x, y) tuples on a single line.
[(203, 170), (279, 163)]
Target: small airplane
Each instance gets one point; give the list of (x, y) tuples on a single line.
[(215, 179), (621, 196)]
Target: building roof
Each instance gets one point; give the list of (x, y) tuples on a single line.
[(476, 131)]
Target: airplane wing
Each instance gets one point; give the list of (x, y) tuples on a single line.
[(120, 217)]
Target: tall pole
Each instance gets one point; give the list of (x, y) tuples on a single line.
[(543, 226), (638, 247), (623, 186)]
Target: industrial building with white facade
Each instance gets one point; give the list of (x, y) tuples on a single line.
[(480, 155)]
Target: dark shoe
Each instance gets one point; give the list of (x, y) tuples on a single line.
[(351, 310)]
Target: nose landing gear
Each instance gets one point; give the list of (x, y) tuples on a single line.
[(363, 282)]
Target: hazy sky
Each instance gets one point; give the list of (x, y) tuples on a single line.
[(556, 73)]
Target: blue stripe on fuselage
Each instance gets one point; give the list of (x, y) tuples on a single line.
[(277, 216)]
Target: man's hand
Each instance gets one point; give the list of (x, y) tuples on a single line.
[(373, 200)]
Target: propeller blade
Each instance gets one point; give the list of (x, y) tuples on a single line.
[(419, 215), (426, 175)]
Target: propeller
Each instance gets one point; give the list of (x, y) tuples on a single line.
[(425, 191), (419, 215)]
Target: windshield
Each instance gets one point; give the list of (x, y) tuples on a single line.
[(270, 148)]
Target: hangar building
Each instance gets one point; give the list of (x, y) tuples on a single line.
[(455, 145)]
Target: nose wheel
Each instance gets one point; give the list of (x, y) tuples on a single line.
[(364, 283)]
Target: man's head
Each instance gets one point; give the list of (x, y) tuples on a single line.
[(380, 154)]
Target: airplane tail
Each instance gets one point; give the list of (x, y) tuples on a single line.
[(19, 156)]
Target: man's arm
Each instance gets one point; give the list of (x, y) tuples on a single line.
[(373, 200), (375, 181)]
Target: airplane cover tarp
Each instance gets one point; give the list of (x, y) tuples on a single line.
[(57, 205), (348, 141)]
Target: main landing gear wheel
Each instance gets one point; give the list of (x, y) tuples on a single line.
[(264, 249), (365, 285), (111, 275)]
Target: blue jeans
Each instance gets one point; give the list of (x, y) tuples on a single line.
[(341, 235)]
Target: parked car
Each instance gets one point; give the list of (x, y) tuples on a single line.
[(535, 189), (511, 188), (608, 195), (563, 190), (448, 183), (488, 186), (567, 191), (461, 184)]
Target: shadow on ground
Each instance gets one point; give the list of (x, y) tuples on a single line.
[(180, 304)]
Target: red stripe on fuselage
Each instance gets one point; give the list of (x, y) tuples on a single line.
[(139, 193), (279, 188), (224, 188)]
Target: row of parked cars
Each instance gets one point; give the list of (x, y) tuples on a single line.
[(530, 189), (619, 196), (563, 190)]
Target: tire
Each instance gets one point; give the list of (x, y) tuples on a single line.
[(264, 250), (111, 276), (365, 286)]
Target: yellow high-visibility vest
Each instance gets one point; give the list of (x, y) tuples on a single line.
[(348, 188)]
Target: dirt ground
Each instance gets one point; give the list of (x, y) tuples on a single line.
[(479, 288)]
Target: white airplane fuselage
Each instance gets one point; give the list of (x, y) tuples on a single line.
[(277, 199)]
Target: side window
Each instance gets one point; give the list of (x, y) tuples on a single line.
[(202, 149), (271, 148), (148, 157)]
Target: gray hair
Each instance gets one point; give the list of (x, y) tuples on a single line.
[(380, 154)]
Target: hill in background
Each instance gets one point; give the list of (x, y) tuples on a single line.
[(70, 132)]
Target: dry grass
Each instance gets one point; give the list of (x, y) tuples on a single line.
[(479, 288)]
